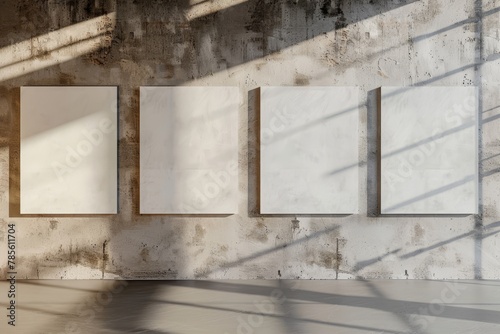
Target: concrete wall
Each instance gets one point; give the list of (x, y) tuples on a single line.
[(250, 44)]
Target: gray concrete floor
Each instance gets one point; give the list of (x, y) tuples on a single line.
[(244, 307)]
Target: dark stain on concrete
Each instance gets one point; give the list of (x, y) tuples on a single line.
[(9, 15), (33, 16), (166, 71), (427, 13), (5, 118), (90, 257), (340, 257), (302, 80), (418, 233), (66, 79), (199, 235), (295, 224), (145, 254), (341, 22), (331, 8), (103, 55), (105, 257), (325, 259), (126, 145), (53, 224), (153, 274), (259, 232), (327, 235), (490, 210), (265, 15), (212, 262), (81, 256)]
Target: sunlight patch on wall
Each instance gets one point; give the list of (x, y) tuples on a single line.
[(203, 8), (56, 47)]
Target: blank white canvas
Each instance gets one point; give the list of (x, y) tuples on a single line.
[(189, 150), (429, 150), (68, 150), (309, 150)]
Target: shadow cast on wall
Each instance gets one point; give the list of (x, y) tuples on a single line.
[(229, 34), (229, 37), (151, 32)]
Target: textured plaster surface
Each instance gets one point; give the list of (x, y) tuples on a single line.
[(250, 44)]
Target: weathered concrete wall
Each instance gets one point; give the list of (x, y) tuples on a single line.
[(250, 44)]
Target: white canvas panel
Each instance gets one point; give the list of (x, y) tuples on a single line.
[(429, 150), (309, 150), (68, 150), (189, 150)]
